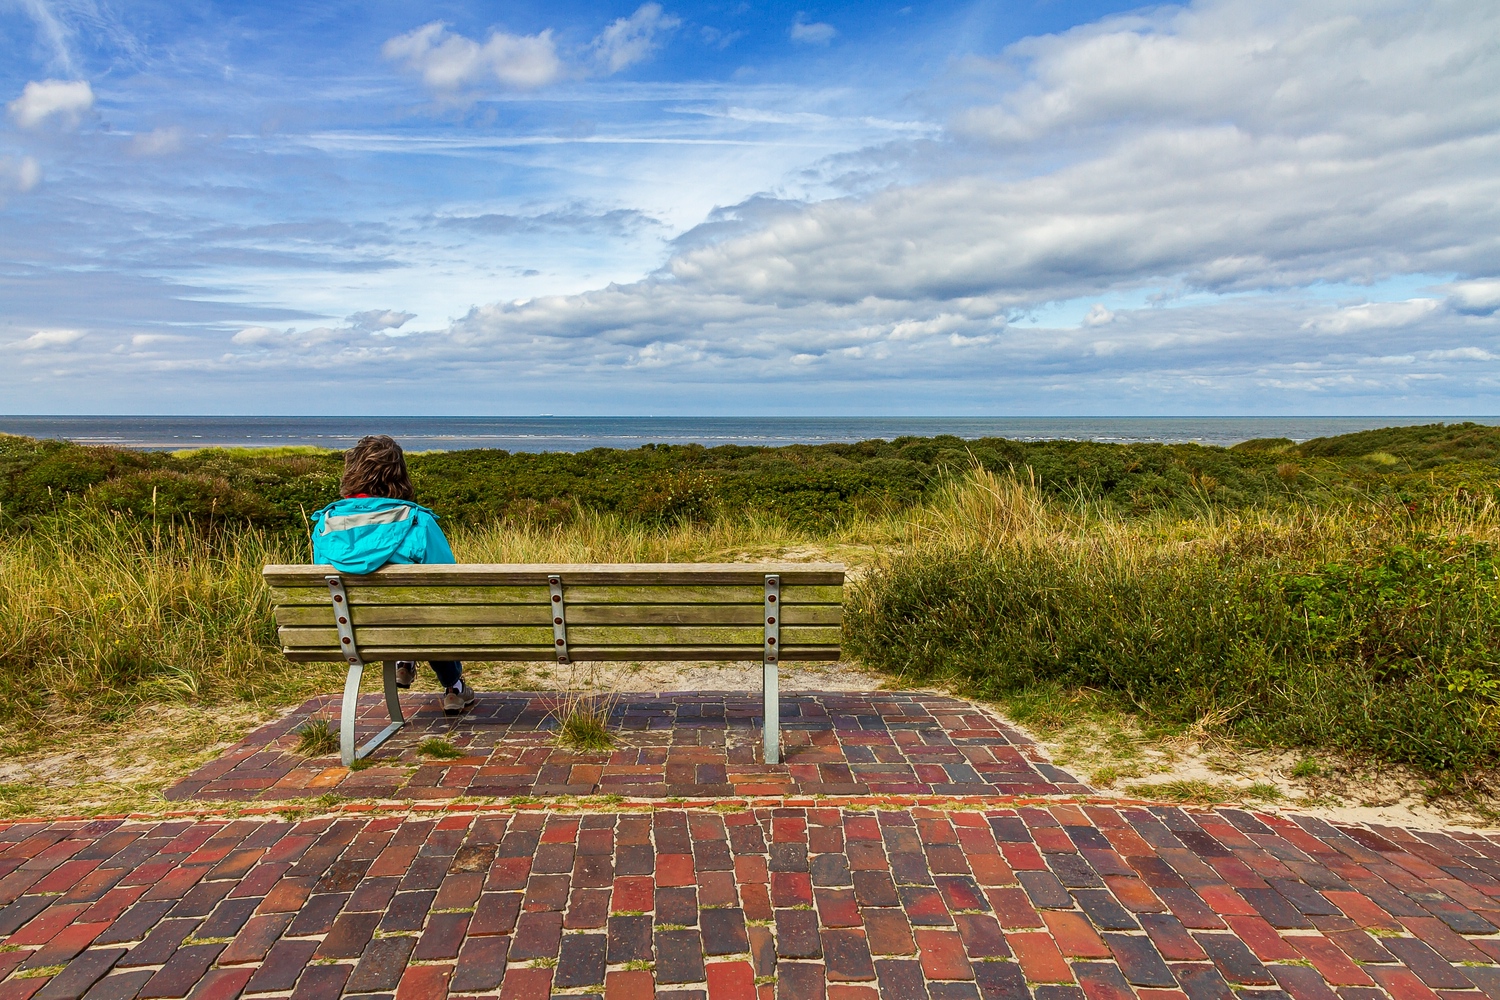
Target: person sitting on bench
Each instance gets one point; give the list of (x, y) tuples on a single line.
[(378, 521)]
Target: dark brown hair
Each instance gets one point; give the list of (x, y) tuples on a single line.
[(376, 466)]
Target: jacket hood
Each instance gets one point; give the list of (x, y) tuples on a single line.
[(361, 534)]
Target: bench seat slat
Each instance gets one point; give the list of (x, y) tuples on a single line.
[(538, 614), (364, 593), (579, 653), (621, 574), (581, 635)]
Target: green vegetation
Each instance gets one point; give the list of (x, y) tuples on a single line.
[(1338, 594), (439, 748), (583, 722), (316, 738)]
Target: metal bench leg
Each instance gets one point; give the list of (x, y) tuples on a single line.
[(771, 706), (347, 752), (772, 735)]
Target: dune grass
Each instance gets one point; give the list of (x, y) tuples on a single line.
[(1366, 622)]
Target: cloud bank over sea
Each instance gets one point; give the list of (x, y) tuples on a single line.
[(1229, 206)]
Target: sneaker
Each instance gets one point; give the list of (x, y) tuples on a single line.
[(459, 698), (406, 672)]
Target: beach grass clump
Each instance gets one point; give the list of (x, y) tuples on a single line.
[(1362, 627), (317, 738)]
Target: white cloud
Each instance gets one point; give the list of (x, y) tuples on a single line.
[(1375, 316), (64, 101), (45, 339), (157, 142), (632, 39), (19, 174), (1098, 315), (812, 32), (447, 61), (1480, 297)]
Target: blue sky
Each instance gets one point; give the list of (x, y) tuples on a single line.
[(1243, 206)]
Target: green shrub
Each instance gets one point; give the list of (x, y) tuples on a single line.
[(1387, 649)]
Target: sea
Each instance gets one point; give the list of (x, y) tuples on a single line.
[(553, 433)]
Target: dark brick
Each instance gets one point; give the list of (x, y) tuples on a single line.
[(581, 962), (322, 982), (1045, 890), (875, 888), (797, 934), (182, 971), (444, 933), (831, 870), (1000, 981), (350, 934), (677, 905), (538, 935), (481, 964), (800, 979), (847, 955), (1139, 960), (1202, 982), (723, 931), (135, 923), (408, 911), (381, 965), (1074, 872), (15, 916), (1104, 911), (981, 935), (1276, 908), (159, 944), (1429, 966), (227, 918), (120, 986), (317, 914), (1234, 959), (629, 939), (901, 979), (924, 906), (80, 975), (283, 964), (1102, 981), (679, 957)]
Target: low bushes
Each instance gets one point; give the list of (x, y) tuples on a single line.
[(1363, 628)]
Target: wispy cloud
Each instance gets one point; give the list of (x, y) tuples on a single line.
[(633, 39), (812, 32)]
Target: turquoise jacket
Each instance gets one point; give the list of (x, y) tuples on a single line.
[(362, 534)]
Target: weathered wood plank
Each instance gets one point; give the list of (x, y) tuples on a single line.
[(584, 654), (579, 594), (539, 614), (605, 574), (582, 635)]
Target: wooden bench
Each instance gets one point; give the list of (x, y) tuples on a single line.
[(627, 611)]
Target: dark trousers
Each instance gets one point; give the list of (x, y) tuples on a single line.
[(449, 672)]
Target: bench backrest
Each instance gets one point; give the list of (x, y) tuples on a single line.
[(627, 611)]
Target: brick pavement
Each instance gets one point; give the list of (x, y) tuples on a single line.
[(912, 847), (1070, 901), (671, 745)]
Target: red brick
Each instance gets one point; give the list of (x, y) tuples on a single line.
[(1401, 983), (629, 985), (1225, 901), (1262, 939), (730, 981), (675, 870), (1329, 960), (425, 982), (1039, 957), (526, 984), (1013, 907), (888, 932), (1362, 910), (1075, 938), (942, 954)]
